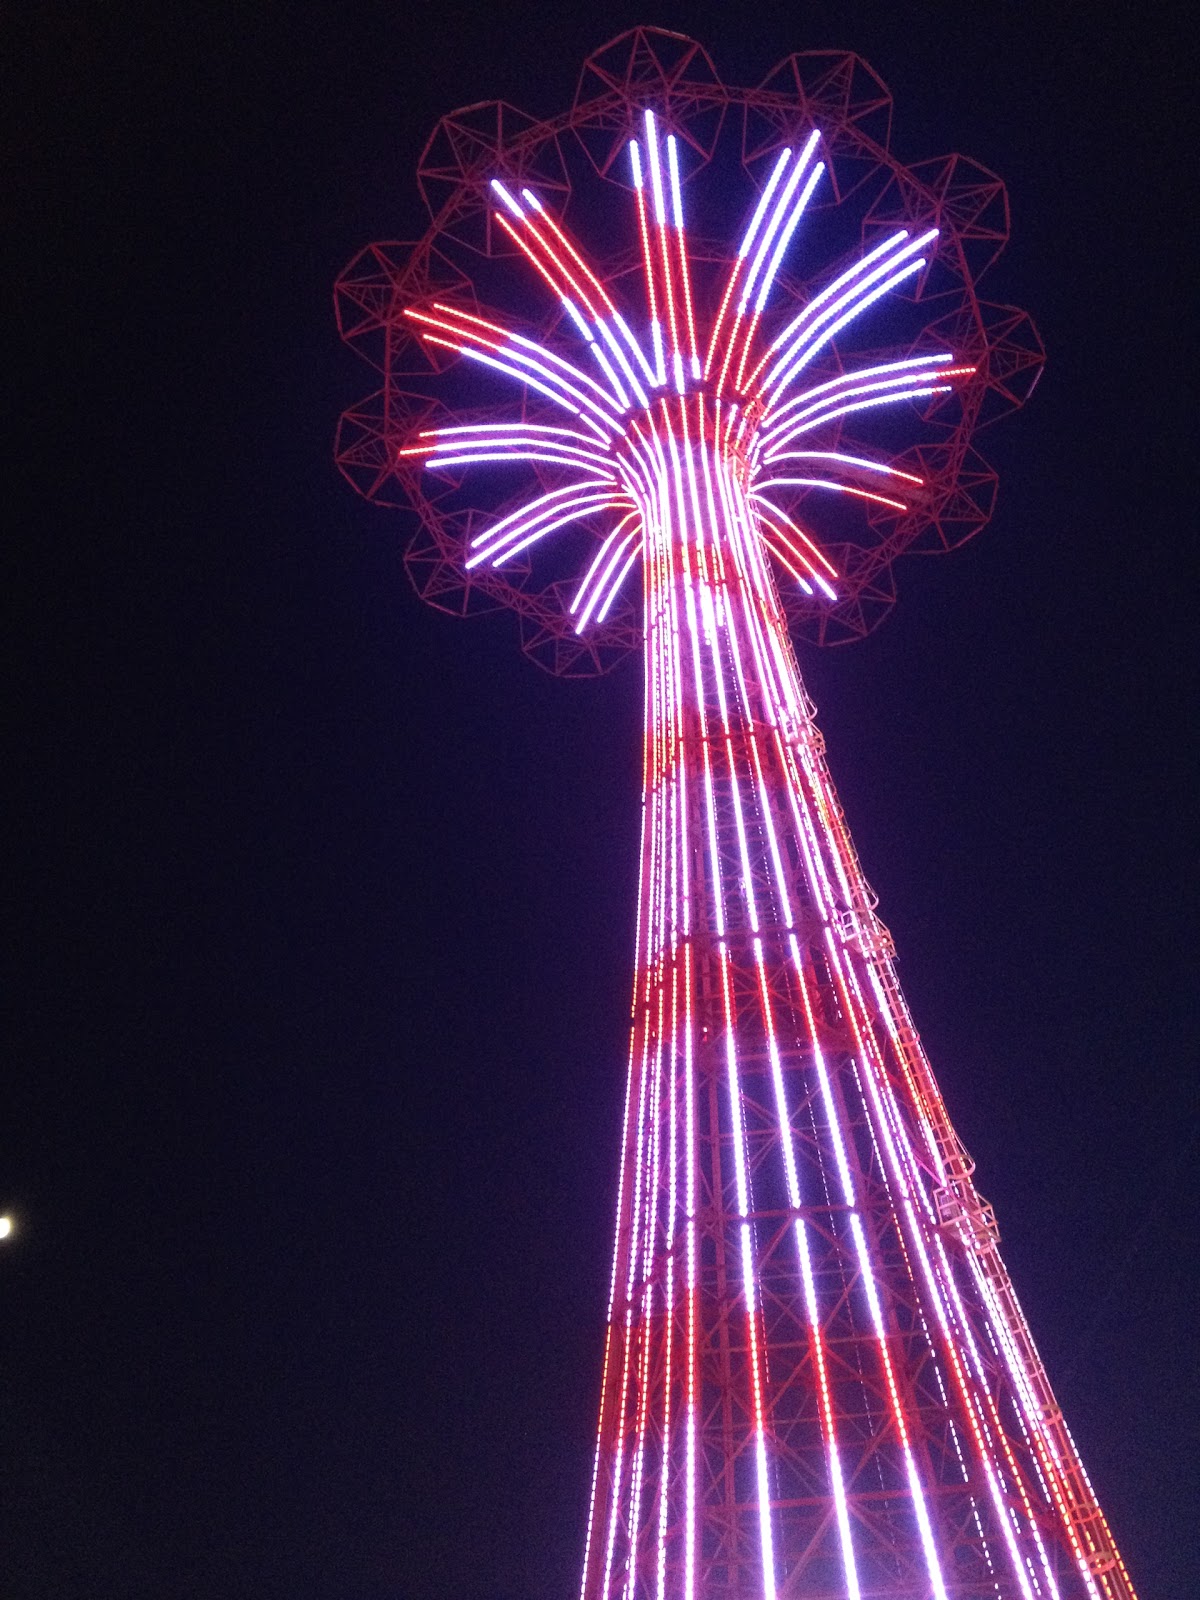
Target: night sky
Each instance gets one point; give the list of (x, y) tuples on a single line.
[(320, 915)]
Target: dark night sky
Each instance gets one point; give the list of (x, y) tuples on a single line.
[(321, 912)]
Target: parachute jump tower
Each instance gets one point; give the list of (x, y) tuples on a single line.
[(748, 363)]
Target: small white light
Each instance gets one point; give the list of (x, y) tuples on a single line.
[(6, 1226)]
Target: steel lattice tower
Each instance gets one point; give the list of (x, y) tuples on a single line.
[(817, 1379)]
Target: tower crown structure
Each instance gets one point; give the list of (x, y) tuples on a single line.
[(817, 1380)]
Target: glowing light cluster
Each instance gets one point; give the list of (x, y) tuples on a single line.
[(630, 403), (816, 1377)]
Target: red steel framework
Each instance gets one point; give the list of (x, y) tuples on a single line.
[(817, 1378)]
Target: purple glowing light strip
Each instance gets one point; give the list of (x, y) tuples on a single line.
[(604, 589), (539, 517), (786, 236), (865, 405), (842, 459), (775, 227), (886, 247), (764, 201), (884, 372), (821, 330)]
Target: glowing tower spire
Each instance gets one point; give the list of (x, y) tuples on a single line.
[(817, 1380)]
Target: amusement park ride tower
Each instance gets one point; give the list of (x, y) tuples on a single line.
[(817, 1379)]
